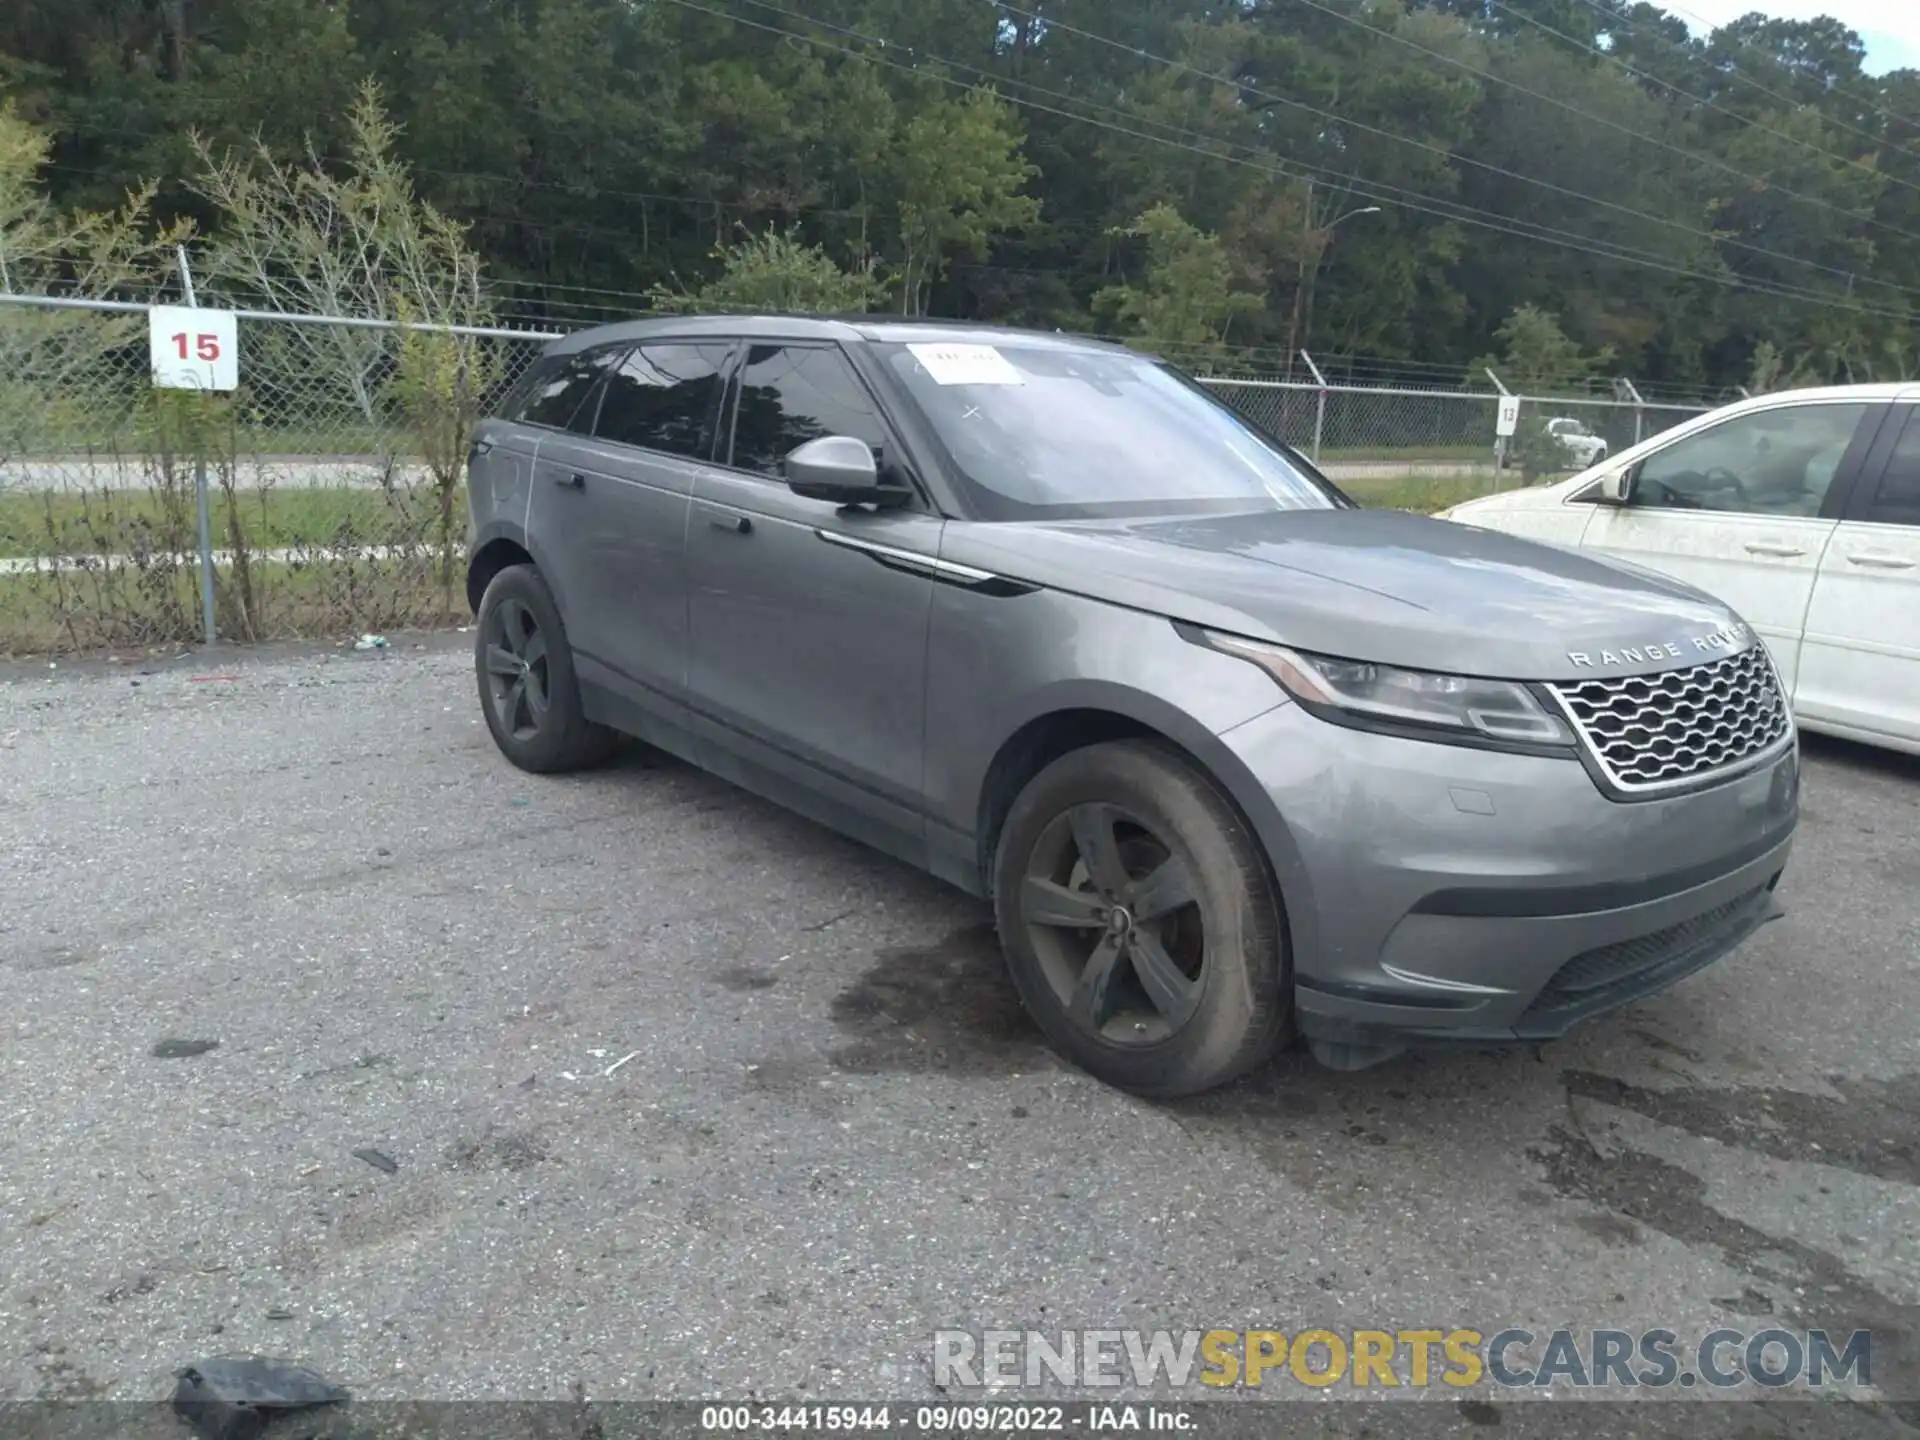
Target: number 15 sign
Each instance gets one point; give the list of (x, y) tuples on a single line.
[(193, 349)]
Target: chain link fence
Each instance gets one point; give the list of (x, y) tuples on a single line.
[(1425, 448), (335, 472), (334, 477)]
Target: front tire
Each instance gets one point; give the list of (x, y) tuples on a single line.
[(1140, 923), (528, 690)]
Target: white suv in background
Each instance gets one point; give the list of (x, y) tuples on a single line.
[(1581, 444), (1801, 510)]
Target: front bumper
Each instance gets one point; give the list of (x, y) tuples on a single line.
[(1442, 894)]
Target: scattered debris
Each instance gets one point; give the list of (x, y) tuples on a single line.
[(213, 679), (182, 1049), (631, 1054), (521, 800), (378, 1160), (568, 1075), (311, 1170), (232, 1399), (529, 1082), (279, 1312), (598, 1054), (371, 642)]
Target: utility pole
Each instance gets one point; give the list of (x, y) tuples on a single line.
[(1314, 241)]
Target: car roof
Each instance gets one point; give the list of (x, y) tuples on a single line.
[(845, 328), (1884, 390)]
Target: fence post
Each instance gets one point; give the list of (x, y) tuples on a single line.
[(1319, 404), (201, 501), (1639, 408), (1499, 441)]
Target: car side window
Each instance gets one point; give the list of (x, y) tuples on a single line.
[(1897, 501), (1769, 462), (664, 396), (558, 401), (790, 394)]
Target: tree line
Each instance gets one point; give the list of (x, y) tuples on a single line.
[(1423, 185)]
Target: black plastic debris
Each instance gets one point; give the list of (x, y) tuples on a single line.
[(378, 1160), (182, 1049), (233, 1399)]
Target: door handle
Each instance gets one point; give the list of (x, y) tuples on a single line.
[(1769, 547), (732, 524), (573, 481), (1879, 559)]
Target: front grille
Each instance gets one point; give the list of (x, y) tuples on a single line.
[(1650, 732), (1611, 975)]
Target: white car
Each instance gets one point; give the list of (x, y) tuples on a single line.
[(1581, 444), (1801, 510)]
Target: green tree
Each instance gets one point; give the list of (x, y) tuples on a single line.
[(1537, 358), (960, 176), (56, 366), (775, 272), (1185, 297)]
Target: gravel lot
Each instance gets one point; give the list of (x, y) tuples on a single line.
[(836, 1131)]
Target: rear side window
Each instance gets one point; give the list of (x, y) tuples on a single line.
[(665, 397), (1897, 501), (790, 394), (558, 399)]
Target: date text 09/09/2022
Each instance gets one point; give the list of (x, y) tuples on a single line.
[(944, 1419)]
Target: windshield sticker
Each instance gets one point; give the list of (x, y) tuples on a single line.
[(965, 365)]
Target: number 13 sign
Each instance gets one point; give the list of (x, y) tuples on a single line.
[(193, 349)]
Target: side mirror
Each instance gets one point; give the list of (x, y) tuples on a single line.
[(1614, 488), (838, 468)]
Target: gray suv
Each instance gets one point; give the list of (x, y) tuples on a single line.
[(1232, 758)]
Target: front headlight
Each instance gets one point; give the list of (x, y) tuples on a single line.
[(1460, 708)]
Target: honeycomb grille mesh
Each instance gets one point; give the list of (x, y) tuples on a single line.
[(1649, 732)]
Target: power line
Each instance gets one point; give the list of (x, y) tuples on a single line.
[(1701, 100), (1360, 185), (1442, 151), (1588, 115)]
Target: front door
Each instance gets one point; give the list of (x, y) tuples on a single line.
[(808, 621), (1860, 662), (1744, 510)]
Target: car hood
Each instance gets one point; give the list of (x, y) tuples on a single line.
[(1377, 585)]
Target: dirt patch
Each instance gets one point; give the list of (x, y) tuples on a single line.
[(1815, 1288), (946, 1006), (1869, 1127)]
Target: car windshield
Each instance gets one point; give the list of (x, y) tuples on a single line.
[(1043, 432)]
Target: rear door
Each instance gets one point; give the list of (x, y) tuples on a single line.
[(1860, 661), (614, 493), (561, 413), (1744, 510)]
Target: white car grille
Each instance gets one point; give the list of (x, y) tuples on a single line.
[(1653, 732)]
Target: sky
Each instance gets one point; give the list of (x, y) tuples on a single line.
[(1890, 29)]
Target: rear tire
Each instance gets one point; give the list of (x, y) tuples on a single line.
[(1140, 922), (528, 690)]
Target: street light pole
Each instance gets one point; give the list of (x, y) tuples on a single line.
[(1316, 241)]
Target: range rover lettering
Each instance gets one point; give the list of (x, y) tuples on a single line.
[(1233, 759)]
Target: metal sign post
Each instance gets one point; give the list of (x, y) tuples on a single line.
[(193, 349)]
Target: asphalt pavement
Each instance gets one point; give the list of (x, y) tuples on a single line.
[(329, 1034)]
